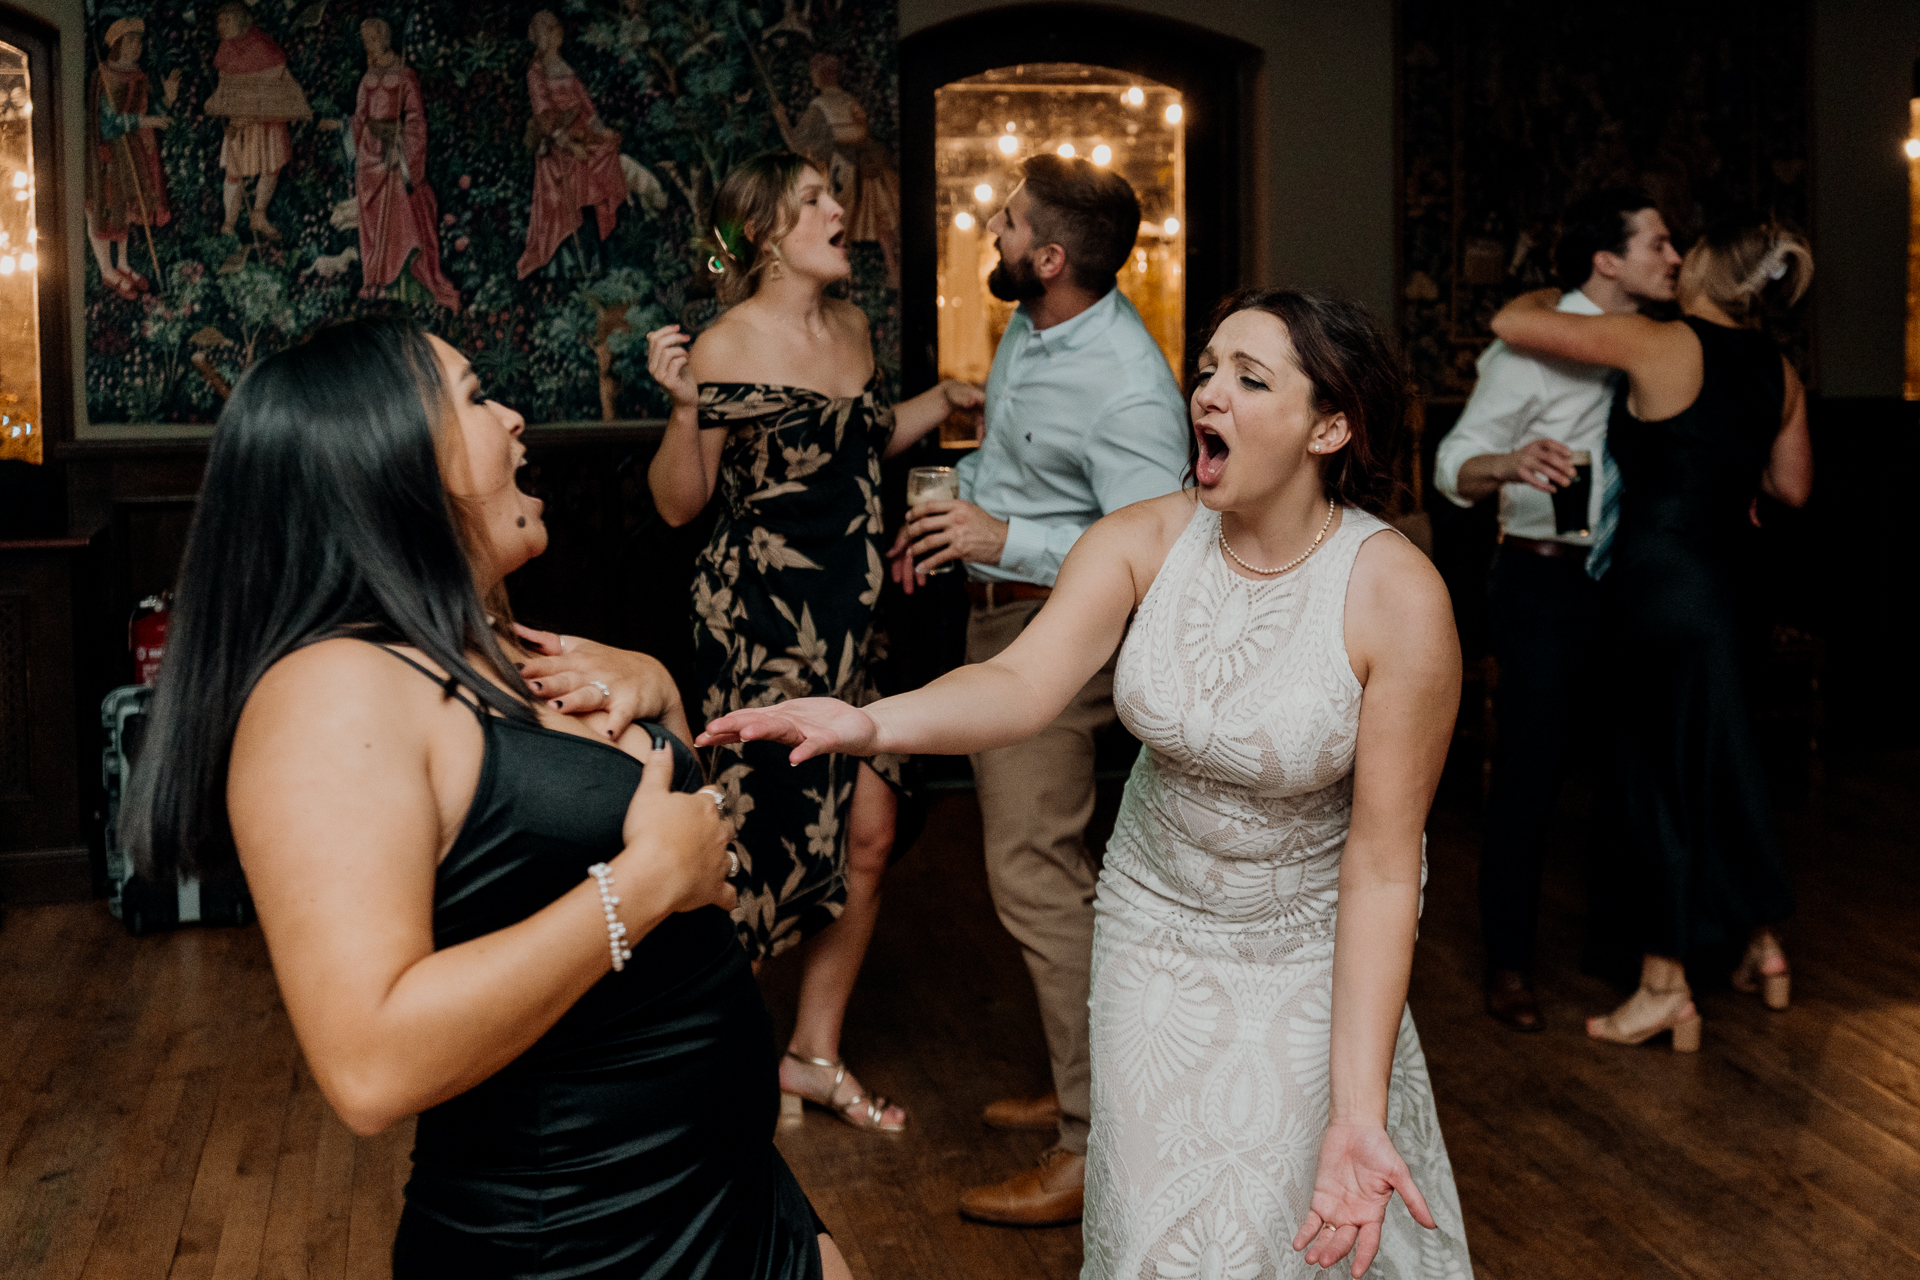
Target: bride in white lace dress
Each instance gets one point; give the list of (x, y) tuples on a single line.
[(1290, 665)]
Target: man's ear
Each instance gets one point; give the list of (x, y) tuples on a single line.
[(1049, 262), (1607, 265)]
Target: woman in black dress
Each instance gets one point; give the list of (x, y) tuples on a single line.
[(777, 405), (446, 869), (1709, 416)]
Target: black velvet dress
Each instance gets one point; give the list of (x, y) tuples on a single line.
[(635, 1138), (1687, 593)]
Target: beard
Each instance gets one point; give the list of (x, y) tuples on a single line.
[(1012, 281)]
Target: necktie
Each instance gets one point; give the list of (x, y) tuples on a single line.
[(1601, 557)]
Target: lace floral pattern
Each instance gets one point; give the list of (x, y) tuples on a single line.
[(1212, 1006), (783, 599)]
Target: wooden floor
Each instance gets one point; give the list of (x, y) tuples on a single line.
[(156, 1119)]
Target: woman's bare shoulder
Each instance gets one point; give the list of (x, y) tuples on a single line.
[(1397, 601), (338, 689), (719, 348), (1142, 533)]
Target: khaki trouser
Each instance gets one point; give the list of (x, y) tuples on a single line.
[(1035, 800)]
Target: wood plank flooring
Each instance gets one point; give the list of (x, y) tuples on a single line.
[(156, 1119)]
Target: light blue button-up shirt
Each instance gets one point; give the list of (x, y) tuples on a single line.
[(1083, 418)]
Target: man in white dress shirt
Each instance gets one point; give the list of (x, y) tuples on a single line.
[(1083, 417), (1517, 436)]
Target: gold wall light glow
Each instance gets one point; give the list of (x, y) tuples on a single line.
[(1912, 379), (984, 127), (19, 288)]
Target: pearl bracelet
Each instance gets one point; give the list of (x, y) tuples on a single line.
[(603, 876)]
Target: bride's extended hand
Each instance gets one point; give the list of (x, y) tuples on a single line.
[(1359, 1172), (811, 726)]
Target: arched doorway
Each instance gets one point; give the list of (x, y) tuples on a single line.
[(1031, 52)]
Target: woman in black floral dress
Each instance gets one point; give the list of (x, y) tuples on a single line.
[(776, 406)]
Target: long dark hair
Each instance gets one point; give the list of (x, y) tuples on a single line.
[(1354, 370), (323, 513)]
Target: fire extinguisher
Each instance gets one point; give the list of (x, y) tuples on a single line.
[(147, 636)]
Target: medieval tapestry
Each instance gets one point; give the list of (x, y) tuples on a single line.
[(527, 182), (1510, 110)]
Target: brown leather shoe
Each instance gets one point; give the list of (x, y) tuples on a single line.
[(1041, 1114), (1051, 1194), (1511, 1002)]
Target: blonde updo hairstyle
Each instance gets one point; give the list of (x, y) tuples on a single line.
[(1748, 267), (757, 205)]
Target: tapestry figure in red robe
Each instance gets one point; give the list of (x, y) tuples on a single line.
[(399, 218), (259, 96), (126, 186), (576, 157)]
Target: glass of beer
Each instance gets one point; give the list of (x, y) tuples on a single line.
[(1572, 501), (928, 484)]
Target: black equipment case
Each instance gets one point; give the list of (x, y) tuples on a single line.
[(143, 905)]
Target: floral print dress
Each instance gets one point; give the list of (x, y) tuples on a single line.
[(783, 603)]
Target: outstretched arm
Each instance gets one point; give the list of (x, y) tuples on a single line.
[(1400, 638), (1012, 696)]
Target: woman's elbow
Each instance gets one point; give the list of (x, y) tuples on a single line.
[(367, 1104), (1792, 490)]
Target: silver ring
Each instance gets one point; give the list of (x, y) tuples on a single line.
[(601, 685), (733, 860), (719, 801)]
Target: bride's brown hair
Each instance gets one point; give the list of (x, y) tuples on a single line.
[(1353, 369)]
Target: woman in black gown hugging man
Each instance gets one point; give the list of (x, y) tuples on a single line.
[(777, 405), (479, 909), (1709, 416)]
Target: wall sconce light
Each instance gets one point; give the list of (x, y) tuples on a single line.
[(1103, 154), (1912, 379), (1133, 97), (983, 193), (1174, 113), (1066, 151), (1008, 144), (963, 220)]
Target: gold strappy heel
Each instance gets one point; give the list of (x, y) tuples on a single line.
[(859, 1111)]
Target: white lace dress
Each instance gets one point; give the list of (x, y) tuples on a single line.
[(1213, 948)]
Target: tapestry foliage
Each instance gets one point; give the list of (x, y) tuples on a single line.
[(528, 182)]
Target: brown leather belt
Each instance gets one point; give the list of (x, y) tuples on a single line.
[(991, 595), (1543, 547)]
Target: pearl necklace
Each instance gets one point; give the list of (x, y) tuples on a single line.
[(1294, 563)]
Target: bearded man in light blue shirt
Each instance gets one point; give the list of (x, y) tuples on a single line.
[(1083, 417)]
